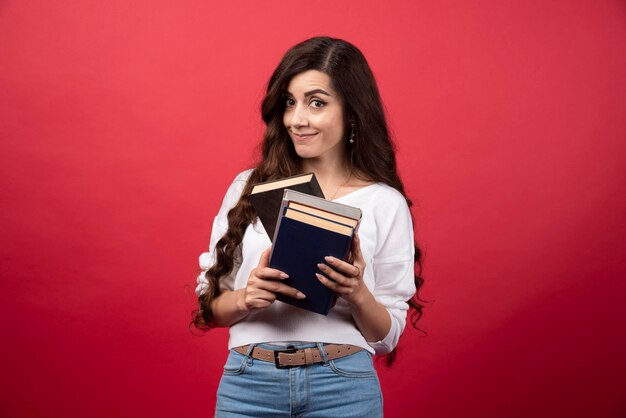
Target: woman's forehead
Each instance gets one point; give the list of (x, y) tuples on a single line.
[(310, 80)]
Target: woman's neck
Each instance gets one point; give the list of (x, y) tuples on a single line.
[(327, 172), (332, 176)]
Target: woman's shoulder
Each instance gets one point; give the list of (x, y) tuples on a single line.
[(243, 176), (379, 192), (236, 187), (240, 180), (380, 202), (386, 190), (384, 196)]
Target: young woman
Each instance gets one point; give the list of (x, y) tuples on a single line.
[(324, 115)]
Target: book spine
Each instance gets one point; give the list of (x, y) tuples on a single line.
[(281, 212)]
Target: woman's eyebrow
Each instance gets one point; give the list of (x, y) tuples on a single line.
[(316, 91), (308, 93)]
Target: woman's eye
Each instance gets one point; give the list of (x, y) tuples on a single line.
[(317, 103), (289, 102)]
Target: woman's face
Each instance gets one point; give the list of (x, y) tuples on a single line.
[(314, 117)]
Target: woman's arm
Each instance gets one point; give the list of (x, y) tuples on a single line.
[(260, 292), (380, 312), (227, 308), (371, 317)]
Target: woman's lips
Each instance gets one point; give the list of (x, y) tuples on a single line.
[(303, 136)]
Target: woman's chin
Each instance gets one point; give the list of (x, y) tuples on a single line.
[(305, 155), (303, 152)]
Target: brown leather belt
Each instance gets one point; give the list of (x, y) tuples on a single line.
[(291, 357)]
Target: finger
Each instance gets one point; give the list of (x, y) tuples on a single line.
[(355, 249), (270, 273), (346, 268), (258, 294), (264, 271), (260, 299), (335, 276), (264, 261), (277, 287), (356, 242), (332, 285)]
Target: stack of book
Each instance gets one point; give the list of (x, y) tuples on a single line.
[(267, 197), (306, 229)]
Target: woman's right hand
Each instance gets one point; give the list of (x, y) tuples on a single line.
[(263, 284)]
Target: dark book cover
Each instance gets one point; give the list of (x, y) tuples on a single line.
[(298, 248), (267, 203)]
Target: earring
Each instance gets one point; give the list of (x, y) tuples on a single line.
[(352, 133)]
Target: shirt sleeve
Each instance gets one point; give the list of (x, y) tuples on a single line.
[(220, 226), (393, 266)]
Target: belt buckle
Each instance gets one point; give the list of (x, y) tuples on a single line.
[(288, 350)]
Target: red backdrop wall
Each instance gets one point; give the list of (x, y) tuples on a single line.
[(122, 123)]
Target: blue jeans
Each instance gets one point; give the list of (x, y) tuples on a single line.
[(344, 387)]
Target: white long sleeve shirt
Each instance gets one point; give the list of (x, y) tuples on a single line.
[(386, 234)]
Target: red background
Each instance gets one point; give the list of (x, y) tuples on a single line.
[(122, 124)]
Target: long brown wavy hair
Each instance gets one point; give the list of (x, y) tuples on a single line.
[(371, 156)]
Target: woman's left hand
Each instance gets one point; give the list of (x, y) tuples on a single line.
[(347, 278)]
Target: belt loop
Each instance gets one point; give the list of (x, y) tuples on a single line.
[(320, 347), (308, 356), (249, 354)]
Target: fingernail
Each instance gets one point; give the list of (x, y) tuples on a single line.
[(301, 295), (284, 275), (319, 276), (329, 259), (321, 266)]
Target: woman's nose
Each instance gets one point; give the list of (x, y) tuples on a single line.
[(299, 116)]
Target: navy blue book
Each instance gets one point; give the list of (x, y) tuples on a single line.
[(304, 236)]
